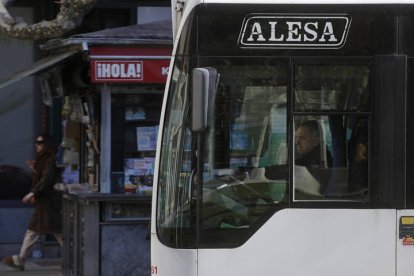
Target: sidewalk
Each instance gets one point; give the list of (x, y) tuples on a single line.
[(38, 267)]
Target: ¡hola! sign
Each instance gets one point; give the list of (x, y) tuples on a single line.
[(129, 64), (131, 71), (118, 70)]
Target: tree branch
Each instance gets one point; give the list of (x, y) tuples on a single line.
[(70, 16)]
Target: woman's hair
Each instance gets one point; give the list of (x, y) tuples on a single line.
[(48, 142)]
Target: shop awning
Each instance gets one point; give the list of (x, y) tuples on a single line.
[(38, 67)]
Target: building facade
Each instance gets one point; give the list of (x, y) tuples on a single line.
[(36, 101)]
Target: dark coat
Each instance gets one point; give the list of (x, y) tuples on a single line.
[(313, 162), (47, 217)]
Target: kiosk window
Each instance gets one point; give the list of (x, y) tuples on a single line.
[(331, 132)]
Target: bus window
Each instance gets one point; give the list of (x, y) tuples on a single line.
[(331, 133), (175, 185), (331, 88), (248, 135)]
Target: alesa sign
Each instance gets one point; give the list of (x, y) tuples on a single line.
[(294, 31)]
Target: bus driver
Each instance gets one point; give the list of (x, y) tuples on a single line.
[(308, 146), (312, 159)]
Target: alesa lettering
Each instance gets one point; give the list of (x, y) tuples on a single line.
[(290, 31), (296, 32)]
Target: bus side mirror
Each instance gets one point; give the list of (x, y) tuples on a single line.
[(205, 81)]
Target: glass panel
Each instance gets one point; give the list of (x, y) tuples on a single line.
[(175, 206), (331, 87), (331, 157), (244, 156), (134, 130), (245, 159)]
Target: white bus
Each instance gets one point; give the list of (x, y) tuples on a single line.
[(286, 142)]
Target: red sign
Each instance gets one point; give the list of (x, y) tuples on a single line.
[(132, 71), (126, 65)]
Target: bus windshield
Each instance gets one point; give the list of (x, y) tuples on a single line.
[(262, 118)]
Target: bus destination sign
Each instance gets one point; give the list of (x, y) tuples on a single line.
[(294, 31)]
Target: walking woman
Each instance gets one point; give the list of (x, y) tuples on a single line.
[(47, 217)]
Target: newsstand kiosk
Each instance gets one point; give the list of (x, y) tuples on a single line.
[(106, 102)]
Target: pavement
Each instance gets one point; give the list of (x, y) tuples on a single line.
[(38, 267)]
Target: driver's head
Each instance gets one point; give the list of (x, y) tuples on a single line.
[(307, 136)]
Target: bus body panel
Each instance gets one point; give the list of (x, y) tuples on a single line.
[(170, 261), (312, 242), (368, 230)]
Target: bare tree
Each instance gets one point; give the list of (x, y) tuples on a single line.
[(70, 16)]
